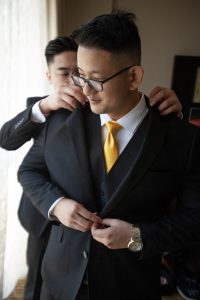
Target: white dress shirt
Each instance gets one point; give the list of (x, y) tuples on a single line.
[(130, 123), (36, 115)]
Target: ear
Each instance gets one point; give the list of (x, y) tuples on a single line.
[(48, 75), (136, 76)]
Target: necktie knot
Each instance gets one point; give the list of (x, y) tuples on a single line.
[(110, 147), (113, 126)]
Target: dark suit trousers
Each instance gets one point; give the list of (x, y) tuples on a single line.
[(35, 251), (188, 258), (82, 293)]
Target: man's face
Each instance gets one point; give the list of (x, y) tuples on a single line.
[(61, 68), (117, 97)]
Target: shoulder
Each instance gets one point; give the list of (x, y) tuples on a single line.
[(32, 100), (182, 126), (178, 132), (79, 112), (181, 133)]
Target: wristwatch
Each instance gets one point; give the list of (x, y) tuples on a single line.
[(135, 242)]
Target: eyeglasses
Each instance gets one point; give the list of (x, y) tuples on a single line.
[(96, 85)]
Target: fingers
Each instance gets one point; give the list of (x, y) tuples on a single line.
[(102, 234), (87, 215), (80, 223), (65, 96), (73, 92), (67, 102), (169, 105), (70, 95), (83, 219), (159, 94), (74, 215), (166, 100), (154, 91), (113, 233)]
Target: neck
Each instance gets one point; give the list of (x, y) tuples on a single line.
[(135, 99)]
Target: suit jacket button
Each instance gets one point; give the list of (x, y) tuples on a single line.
[(85, 254)]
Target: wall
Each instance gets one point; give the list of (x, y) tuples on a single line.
[(167, 28), (73, 13)]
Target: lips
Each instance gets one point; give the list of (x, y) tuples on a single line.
[(93, 99)]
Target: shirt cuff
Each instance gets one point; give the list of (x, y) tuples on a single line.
[(36, 115), (51, 217)]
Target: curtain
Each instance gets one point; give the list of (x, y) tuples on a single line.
[(23, 37)]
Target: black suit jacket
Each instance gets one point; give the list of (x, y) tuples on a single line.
[(159, 163), (13, 135)]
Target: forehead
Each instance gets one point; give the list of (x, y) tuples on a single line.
[(64, 59), (95, 60)]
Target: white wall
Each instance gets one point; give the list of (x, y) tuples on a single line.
[(167, 28)]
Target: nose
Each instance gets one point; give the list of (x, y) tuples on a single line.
[(70, 80), (87, 90)]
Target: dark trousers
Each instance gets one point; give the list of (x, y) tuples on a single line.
[(189, 259), (35, 251), (82, 293)]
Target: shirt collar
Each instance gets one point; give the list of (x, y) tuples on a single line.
[(129, 121)]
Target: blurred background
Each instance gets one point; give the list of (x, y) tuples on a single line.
[(167, 27)]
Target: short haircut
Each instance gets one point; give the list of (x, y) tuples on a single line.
[(115, 32), (59, 45)]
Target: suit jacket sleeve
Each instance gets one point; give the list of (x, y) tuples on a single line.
[(35, 179), (20, 129), (180, 228)]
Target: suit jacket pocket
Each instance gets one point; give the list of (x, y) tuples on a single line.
[(59, 231)]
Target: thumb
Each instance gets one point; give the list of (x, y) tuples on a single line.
[(108, 222)]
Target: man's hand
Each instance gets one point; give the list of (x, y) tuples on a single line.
[(113, 233), (166, 101), (65, 96), (74, 215)]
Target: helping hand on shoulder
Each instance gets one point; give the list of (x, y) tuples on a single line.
[(65, 96), (166, 100), (68, 95)]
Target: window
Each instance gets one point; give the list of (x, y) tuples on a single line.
[(22, 74)]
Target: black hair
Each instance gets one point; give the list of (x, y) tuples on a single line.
[(59, 45), (115, 32)]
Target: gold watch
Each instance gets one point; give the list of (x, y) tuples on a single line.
[(135, 242)]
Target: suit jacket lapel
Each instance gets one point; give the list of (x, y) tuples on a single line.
[(93, 128), (76, 128), (135, 160), (94, 135)]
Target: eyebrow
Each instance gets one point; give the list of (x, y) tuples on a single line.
[(63, 69), (93, 72)]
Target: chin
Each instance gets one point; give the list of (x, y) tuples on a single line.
[(97, 110)]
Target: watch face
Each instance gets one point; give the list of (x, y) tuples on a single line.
[(134, 246)]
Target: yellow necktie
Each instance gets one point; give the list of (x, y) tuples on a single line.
[(110, 147)]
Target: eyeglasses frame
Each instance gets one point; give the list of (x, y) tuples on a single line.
[(101, 82)]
